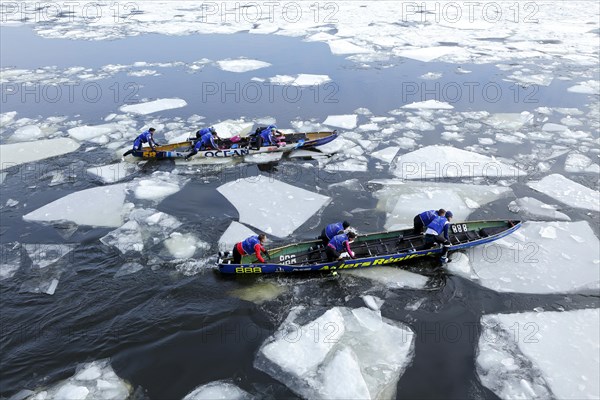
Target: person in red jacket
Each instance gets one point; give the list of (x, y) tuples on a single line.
[(253, 244)]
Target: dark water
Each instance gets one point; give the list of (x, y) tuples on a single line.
[(167, 333)]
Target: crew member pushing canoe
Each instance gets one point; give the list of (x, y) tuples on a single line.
[(206, 141), (144, 137), (253, 244), (339, 244), (333, 229), (425, 218), (437, 232)]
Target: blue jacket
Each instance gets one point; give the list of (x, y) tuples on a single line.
[(248, 244), (333, 229), (205, 141), (202, 132), (428, 216), (439, 225), (144, 137), (267, 136), (337, 242)]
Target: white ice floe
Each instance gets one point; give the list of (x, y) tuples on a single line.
[(259, 292), (93, 133), (431, 75), (509, 121), (43, 255), (184, 245), (540, 257), (343, 46), (297, 80), (261, 204), (219, 390), (235, 233), (158, 187), (342, 121), (438, 162), (534, 209), (429, 105), (27, 133), (153, 106), (344, 353), (20, 153), (425, 54), (355, 164), (393, 278), (523, 355), (241, 65), (93, 380), (577, 163), (588, 87), (112, 173), (568, 192), (402, 201), (100, 206), (230, 128)]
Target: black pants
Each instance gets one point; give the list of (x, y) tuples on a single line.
[(324, 238), (417, 225), (332, 254), (430, 239), (237, 257)]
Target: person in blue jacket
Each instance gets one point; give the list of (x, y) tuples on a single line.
[(206, 140), (437, 232), (422, 220), (267, 137), (333, 229), (339, 244), (144, 137), (251, 245)]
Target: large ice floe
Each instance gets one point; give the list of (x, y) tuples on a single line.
[(270, 205), (534, 209), (568, 192), (219, 390), (343, 354), (93, 380), (342, 121), (540, 257), (112, 173), (440, 162), (153, 106), (14, 154), (523, 355), (403, 200), (241, 65), (100, 206)]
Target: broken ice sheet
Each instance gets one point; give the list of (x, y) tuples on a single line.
[(534, 209), (342, 121), (112, 173), (154, 106), (523, 355), (339, 354), (43, 255), (219, 390), (100, 206), (436, 162), (579, 163), (241, 65), (20, 153), (259, 203), (568, 192), (387, 155), (540, 257)]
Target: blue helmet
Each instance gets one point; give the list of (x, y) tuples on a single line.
[(212, 130), (449, 214)]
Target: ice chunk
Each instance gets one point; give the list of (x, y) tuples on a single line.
[(112, 173), (230, 128), (235, 233), (259, 199), (425, 54), (435, 162), (391, 277), (100, 206), (341, 354), (346, 47), (431, 75), (70, 391), (43, 255), (374, 303), (579, 163), (242, 65), (523, 355), (349, 164), (263, 158), (127, 238), (588, 87), (20, 153), (159, 186), (26, 133), (429, 105), (509, 121), (259, 292), (219, 390), (402, 202), (533, 259), (534, 209), (342, 121), (184, 245), (11, 259), (568, 192), (92, 132), (154, 106), (551, 127)]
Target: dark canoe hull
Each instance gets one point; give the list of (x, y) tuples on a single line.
[(294, 141), (377, 249)]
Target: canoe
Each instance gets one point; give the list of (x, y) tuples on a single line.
[(373, 249), (244, 147)]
